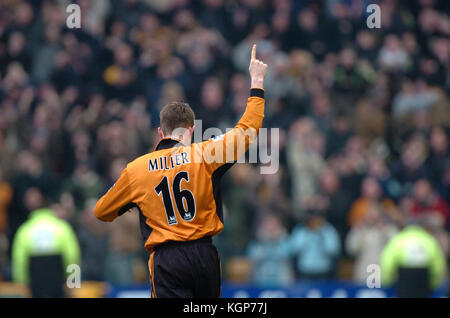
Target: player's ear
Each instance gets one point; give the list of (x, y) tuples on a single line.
[(191, 130), (160, 133)]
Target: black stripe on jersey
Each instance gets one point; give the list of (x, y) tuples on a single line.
[(146, 230), (216, 178), (256, 92), (126, 207)]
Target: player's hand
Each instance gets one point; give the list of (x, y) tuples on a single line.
[(258, 70)]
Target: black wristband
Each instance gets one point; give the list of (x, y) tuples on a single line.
[(256, 92)]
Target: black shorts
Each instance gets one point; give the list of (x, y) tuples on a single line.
[(185, 269)]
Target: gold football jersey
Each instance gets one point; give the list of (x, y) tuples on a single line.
[(176, 188)]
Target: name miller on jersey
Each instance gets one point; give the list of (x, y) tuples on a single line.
[(164, 163)]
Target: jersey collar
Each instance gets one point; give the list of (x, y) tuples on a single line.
[(167, 143)]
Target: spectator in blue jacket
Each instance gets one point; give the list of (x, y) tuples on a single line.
[(271, 263), (316, 246)]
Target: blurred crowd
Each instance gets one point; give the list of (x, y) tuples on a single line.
[(363, 115)]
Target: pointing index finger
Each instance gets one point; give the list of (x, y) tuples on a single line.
[(254, 52)]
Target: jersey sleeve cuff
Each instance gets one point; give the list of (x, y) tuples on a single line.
[(256, 92)]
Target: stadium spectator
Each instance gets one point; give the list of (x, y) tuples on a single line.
[(93, 239), (43, 248), (367, 238), (427, 201), (271, 264), (371, 193), (333, 201), (413, 262), (305, 161), (238, 212), (438, 158), (316, 246)]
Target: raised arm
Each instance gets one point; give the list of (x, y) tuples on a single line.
[(232, 145)]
